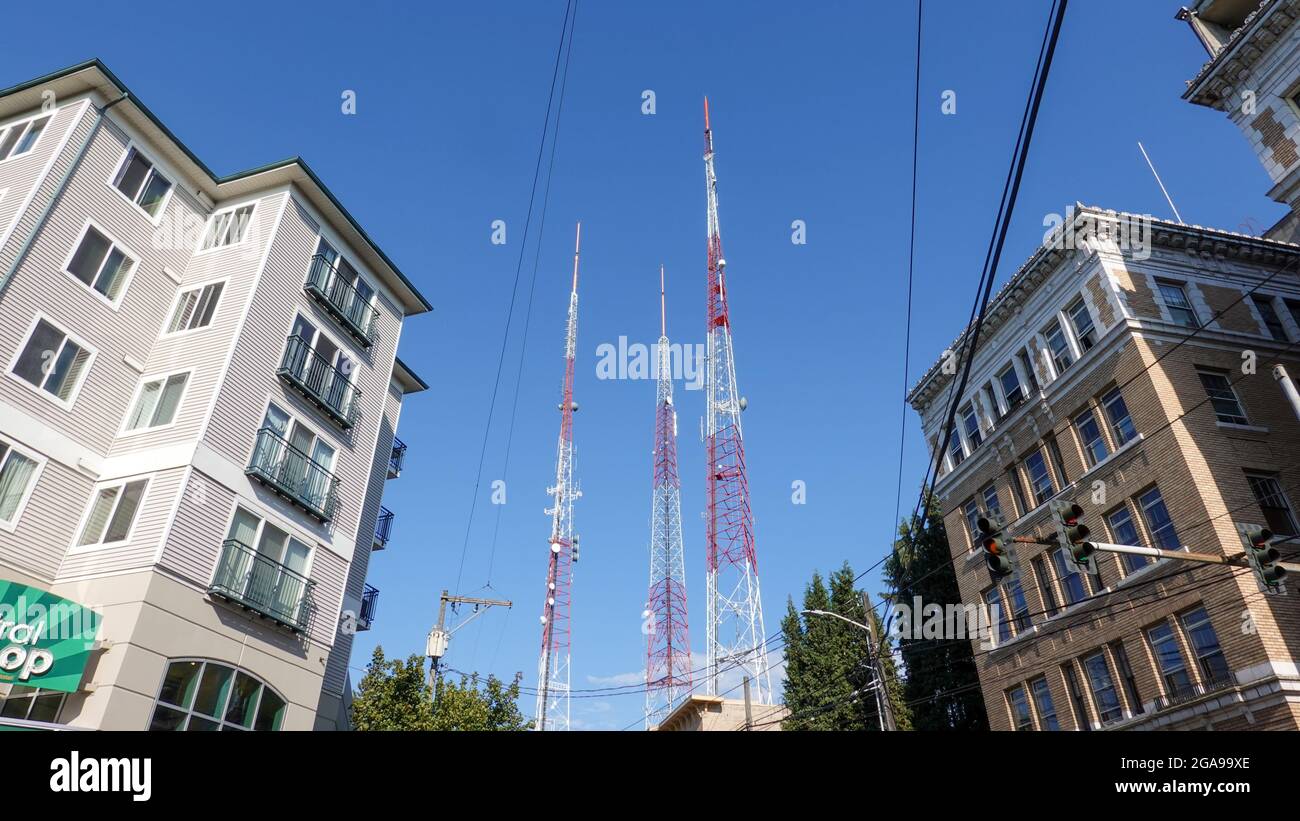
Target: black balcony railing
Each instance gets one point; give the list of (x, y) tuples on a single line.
[(369, 604), (294, 475), (342, 300), (320, 381), (1193, 691), (383, 528), (395, 461), (263, 585)]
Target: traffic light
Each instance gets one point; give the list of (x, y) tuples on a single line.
[(1073, 535), (997, 554), (1263, 557)]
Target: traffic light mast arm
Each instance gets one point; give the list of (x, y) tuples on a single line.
[(1183, 555)]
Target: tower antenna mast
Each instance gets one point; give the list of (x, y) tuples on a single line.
[(553, 665), (736, 638), (668, 647)]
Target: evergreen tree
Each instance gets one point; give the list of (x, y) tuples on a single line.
[(921, 565), (827, 661)]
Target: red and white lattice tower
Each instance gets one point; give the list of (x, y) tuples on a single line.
[(553, 666), (668, 646), (736, 641)]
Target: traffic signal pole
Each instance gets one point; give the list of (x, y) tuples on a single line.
[(1179, 555)]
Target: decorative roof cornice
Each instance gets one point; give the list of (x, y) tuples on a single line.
[(1218, 78)]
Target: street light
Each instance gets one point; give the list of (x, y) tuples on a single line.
[(883, 710)]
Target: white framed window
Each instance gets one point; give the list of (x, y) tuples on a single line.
[(1059, 347), (156, 402), (1012, 391), (194, 308), (20, 469), (18, 139), (1180, 307), (1273, 503), (101, 263), (203, 695), (53, 362), (1084, 331), (112, 514), (1227, 406), (1264, 304), (971, 423), (228, 227), (138, 179)]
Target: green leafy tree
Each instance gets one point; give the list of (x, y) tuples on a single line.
[(827, 661), (395, 695), (936, 670)]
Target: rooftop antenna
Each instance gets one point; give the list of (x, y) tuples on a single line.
[(1159, 182)]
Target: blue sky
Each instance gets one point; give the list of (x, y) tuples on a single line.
[(812, 117)]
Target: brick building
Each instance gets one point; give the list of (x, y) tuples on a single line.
[(1128, 366)]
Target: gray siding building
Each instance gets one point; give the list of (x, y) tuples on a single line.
[(199, 401)]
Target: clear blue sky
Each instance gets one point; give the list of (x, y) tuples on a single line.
[(812, 116)]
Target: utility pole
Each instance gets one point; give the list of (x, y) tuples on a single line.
[(749, 709), (435, 647), (874, 645)]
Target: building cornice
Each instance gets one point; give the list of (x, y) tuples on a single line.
[(1214, 84)]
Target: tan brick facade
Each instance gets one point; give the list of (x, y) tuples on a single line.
[(1183, 461)]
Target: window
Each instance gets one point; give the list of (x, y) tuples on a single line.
[(140, 182), (1058, 462), (991, 503), (1272, 321), (1294, 308), (112, 512), (227, 228), (1059, 347), (972, 513), (1029, 370), (31, 704), (1104, 695), (1011, 389), (52, 362), (17, 478), (1020, 714), (1205, 645), (1180, 308), (264, 566), (1084, 330), (1126, 676), (955, 451), (296, 457), (1227, 407), (1076, 698), (1040, 478), (1019, 608), (1124, 531), (1164, 645), (205, 695), (1018, 490), (1045, 586), (20, 138), (156, 402), (1157, 519), (101, 264), (1121, 424), (971, 422), (1273, 504), (1068, 577), (1094, 444), (1043, 701), (997, 623), (195, 307)]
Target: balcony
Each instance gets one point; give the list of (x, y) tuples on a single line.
[(342, 300), (250, 580), (395, 461), (369, 604), (319, 381), (294, 475), (383, 528)]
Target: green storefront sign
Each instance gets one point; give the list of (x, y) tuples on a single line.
[(45, 640)]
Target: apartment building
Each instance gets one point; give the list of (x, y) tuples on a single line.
[(198, 416)]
